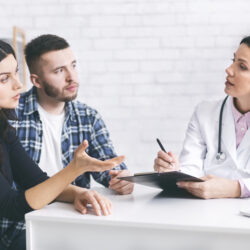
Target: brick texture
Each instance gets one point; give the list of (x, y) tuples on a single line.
[(144, 64)]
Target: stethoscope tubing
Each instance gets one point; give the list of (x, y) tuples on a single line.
[(219, 152)]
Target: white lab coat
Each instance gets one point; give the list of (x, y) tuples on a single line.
[(201, 144)]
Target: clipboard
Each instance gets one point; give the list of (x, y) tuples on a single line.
[(166, 181)]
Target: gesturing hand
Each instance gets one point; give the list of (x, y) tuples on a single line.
[(83, 161)]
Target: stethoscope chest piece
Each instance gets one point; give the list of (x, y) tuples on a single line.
[(221, 157)]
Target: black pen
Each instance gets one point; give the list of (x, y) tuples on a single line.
[(163, 149), (161, 146)]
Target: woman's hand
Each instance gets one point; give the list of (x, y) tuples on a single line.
[(86, 163), (212, 187), (57, 185), (166, 162), (99, 203)]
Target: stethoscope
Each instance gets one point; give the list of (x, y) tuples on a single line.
[(221, 156)]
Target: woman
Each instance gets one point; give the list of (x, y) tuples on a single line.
[(35, 188), (225, 166)]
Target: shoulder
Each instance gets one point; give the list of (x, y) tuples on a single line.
[(87, 115), (84, 110), (22, 102), (206, 108), (25, 101), (25, 96), (206, 114), (11, 136)]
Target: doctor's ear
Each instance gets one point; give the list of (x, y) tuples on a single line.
[(35, 80)]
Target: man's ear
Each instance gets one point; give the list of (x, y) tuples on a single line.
[(35, 80)]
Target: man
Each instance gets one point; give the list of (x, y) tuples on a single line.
[(52, 124)]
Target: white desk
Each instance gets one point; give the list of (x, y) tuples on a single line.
[(142, 221)]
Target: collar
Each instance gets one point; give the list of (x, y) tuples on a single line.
[(238, 115), (31, 105), (70, 111)]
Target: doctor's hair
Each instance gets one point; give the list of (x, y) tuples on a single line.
[(5, 114), (41, 45), (246, 40)]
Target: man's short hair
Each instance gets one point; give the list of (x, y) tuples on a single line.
[(41, 45)]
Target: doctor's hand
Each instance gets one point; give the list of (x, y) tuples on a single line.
[(120, 186), (166, 162), (99, 203), (212, 187)]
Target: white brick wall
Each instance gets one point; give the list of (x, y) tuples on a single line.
[(144, 64)]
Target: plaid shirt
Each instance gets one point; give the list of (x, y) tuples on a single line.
[(10, 229), (81, 122)]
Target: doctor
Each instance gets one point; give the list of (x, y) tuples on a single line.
[(217, 143)]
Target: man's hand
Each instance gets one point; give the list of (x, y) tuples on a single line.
[(100, 204), (120, 186), (166, 162), (212, 187)]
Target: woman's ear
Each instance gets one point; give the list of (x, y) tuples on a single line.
[(35, 80)]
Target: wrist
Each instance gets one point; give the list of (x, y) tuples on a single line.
[(78, 191), (75, 169), (236, 190)]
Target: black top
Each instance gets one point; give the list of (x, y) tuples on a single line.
[(17, 167)]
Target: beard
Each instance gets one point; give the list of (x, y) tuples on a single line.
[(57, 94)]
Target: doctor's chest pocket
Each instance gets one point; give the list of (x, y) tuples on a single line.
[(243, 160), (219, 167), (210, 161)]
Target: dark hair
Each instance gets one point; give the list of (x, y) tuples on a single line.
[(246, 40), (5, 50), (5, 114), (41, 45)]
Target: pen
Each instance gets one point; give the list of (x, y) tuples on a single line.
[(161, 146), (163, 149)]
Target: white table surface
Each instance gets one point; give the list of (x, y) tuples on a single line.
[(142, 220)]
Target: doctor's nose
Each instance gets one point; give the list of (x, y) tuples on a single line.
[(229, 70)]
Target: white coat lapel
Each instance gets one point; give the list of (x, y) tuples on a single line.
[(245, 143), (228, 130)]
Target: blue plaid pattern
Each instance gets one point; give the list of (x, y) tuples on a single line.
[(10, 229), (81, 122)]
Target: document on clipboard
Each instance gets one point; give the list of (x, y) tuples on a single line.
[(166, 181)]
